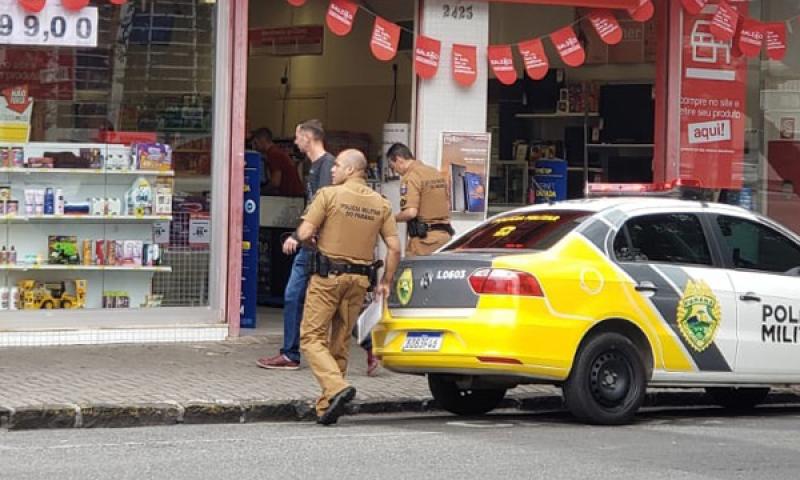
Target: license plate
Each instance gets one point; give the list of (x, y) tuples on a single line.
[(422, 342)]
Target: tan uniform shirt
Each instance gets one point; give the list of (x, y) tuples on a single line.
[(349, 218), (425, 188)]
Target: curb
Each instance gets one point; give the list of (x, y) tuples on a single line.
[(194, 413)]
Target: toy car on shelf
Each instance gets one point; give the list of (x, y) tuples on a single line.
[(69, 294)]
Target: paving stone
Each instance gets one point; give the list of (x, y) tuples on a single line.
[(197, 413)]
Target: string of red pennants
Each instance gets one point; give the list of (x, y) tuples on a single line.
[(36, 6), (746, 35)]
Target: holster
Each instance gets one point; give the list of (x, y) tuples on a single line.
[(416, 228)]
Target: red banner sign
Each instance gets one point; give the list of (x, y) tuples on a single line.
[(713, 94), (341, 15), (17, 98), (426, 56), (297, 40), (48, 73), (775, 33), (74, 4), (643, 12), (33, 6), (465, 64), (751, 37), (694, 7), (385, 38), (568, 46), (536, 64), (723, 24), (606, 26), (297, 3), (502, 61)]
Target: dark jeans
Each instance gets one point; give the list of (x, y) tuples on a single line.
[(293, 298)]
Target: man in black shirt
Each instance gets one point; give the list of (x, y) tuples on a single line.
[(309, 138)]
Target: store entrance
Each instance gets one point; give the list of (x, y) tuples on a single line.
[(299, 70)]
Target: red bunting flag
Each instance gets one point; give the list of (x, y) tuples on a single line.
[(723, 24), (33, 6), (694, 7), (297, 3), (775, 35), (74, 4), (341, 14), (465, 62), (536, 64), (385, 38), (751, 37), (643, 12), (502, 62), (568, 46), (606, 26), (426, 56)]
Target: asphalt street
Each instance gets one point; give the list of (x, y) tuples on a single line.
[(662, 444)]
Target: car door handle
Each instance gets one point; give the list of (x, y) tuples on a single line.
[(646, 287), (749, 297)]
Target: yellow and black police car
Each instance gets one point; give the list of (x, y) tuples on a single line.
[(603, 297)]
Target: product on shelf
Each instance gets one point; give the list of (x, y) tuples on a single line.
[(152, 301), (163, 196), (77, 208), (118, 161), (5, 193), (139, 199), (62, 250), (40, 162), (9, 207), (116, 299), (92, 156), (152, 156), (59, 202), (12, 157), (49, 201), (36, 295)]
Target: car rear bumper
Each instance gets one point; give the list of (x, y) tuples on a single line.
[(496, 341)]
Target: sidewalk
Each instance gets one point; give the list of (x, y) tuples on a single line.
[(137, 385)]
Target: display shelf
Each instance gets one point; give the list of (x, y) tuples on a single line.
[(84, 218), (619, 145), (105, 268), (86, 171), (557, 115)]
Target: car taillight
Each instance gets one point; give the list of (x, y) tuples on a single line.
[(498, 281)]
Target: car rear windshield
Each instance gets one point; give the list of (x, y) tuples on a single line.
[(521, 231)]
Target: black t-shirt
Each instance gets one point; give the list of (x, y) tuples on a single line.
[(320, 174)]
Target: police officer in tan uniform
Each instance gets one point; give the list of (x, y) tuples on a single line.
[(348, 218), (424, 202)]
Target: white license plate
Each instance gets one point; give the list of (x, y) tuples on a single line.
[(422, 342)]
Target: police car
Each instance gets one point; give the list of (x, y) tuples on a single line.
[(603, 297)]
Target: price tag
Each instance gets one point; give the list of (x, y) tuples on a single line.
[(53, 26)]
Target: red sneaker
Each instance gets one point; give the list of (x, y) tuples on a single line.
[(278, 362), (372, 365)]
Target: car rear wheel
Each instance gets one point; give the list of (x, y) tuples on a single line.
[(463, 401), (737, 398), (608, 382)]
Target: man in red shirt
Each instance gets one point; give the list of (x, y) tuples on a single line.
[(283, 177)]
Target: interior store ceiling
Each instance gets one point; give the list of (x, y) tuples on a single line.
[(391, 9)]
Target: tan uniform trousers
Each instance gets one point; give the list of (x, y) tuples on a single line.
[(330, 313), (426, 246)]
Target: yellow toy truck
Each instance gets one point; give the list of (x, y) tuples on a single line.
[(36, 295)]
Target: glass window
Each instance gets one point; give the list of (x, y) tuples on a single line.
[(524, 231), (105, 175), (666, 238), (753, 246)]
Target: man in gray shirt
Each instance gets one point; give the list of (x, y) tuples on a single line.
[(309, 138)]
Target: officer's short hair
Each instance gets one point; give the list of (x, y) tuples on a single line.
[(263, 134), (399, 150), (314, 127)]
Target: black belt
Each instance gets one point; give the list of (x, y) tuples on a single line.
[(341, 268), (442, 227)]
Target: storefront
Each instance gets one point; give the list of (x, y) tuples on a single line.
[(114, 176), (123, 125)]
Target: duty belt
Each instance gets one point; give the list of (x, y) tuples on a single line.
[(442, 227), (342, 268)]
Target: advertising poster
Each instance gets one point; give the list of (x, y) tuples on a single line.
[(16, 105), (465, 163), (713, 90)]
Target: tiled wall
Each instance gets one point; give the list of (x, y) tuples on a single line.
[(116, 335)]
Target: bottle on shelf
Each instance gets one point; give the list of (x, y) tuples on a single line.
[(12, 256)]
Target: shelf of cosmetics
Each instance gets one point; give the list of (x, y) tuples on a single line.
[(150, 157), (143, 200), (63, 254), (63, 294)]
